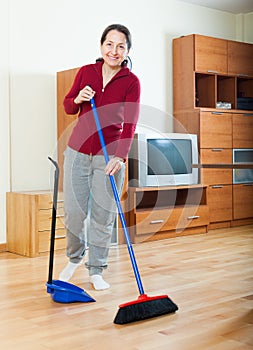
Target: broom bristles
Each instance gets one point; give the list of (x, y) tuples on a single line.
[(145, 307)]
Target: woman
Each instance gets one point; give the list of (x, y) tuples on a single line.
[(116, 91)]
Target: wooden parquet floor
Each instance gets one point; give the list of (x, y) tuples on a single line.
[(209, 276)]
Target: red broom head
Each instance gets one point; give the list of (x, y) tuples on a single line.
[(145, 307)]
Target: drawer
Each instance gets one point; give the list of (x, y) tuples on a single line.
[(215, 130), (45, 219), (243, 201), (45, 237), (45, 201), (219, 200), (171, 219), (216, 156), (216, 176)]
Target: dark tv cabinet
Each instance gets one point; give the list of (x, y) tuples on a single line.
[(164, 212)]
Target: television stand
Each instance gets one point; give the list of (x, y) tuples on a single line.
[(164, 212)]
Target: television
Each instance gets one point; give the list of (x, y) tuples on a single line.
[(163, 159)]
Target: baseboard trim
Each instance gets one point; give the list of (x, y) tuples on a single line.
[(3, 247)]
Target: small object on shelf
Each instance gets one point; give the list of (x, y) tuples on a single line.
[(245, 103), (223, 105)]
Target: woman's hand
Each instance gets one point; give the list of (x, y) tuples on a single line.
[(114, 165), (85, 94)]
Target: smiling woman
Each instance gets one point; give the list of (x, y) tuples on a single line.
[(116, 91)]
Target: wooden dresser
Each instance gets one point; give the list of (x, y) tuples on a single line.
[(29, 217)]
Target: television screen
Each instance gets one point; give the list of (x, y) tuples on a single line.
[(169, 157)]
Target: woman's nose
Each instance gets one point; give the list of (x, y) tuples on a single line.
[(114, 49)]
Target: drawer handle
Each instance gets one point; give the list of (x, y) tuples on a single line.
[(156, 222), (242, 75), (217, 149), (247, 114), (248, 184), (212, 71), (193, 217), (217, 186), (217, 113), (59, 237)]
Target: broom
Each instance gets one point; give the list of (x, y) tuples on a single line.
[(145, 306)]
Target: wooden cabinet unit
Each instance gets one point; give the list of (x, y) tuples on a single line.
[(29, 223), (164, 212), (207, 71)]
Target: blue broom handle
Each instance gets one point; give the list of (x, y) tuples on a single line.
[(117, 199)]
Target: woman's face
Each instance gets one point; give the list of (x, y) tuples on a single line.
[(114, 48)]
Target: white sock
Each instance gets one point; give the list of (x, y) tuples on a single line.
[(98, 282), (68, 271)]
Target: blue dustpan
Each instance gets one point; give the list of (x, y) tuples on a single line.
[(61, 292), (64, 292)]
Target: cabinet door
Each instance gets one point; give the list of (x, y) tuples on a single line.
[(240, 56), (210, 54), (243, 130), (219, 200), (243, 201), (215, 130), (216, 176)]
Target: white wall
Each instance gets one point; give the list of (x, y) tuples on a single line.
[(248, 27), (53, 35), (4, 115)]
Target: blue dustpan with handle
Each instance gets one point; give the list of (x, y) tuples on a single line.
[(61, 292)]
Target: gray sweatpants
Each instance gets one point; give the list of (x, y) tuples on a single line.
[(87, 187)]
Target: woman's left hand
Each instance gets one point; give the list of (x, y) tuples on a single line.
[(114, 165)]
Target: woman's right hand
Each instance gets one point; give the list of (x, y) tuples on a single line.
[(85, 94)]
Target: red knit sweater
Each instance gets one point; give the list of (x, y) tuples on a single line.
[(117, 107)]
